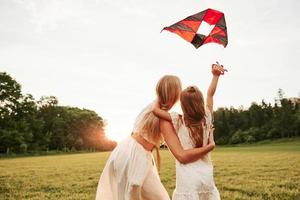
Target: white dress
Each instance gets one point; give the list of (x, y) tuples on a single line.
[(130, 165), (194, 181)]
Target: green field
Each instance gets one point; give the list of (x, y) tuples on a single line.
[(263, 171)]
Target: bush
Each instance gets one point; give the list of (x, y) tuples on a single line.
[(222, 140), (23, 148), (249, 139), (237, 137), (273, 133)]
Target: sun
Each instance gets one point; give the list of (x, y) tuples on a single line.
[(116, 131)]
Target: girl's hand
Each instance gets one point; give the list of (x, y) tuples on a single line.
[(217, 69), (156, 104), (158, 112)]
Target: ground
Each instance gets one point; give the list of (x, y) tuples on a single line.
[(262, 171)]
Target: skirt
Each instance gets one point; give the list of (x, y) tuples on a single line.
[(129, 166)]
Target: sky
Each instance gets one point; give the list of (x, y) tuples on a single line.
[(107, 55)]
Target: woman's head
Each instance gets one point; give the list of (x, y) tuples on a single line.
[(192, 104), (168, 91)]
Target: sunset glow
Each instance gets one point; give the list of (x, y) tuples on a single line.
[(117, 134)]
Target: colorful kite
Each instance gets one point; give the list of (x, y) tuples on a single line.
[(189, 28)]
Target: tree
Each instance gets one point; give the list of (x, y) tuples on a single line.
[(29, 125), (259, 122), (10, 93)]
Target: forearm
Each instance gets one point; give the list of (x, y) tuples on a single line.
[(183, 156), (191, 155), (213, 86), (161, 114)]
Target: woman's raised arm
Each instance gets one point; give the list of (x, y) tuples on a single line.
[(183, 156)]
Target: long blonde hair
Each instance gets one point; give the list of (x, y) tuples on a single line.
[(168, 91), (192, 104)]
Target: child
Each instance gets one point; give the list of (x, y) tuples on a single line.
[(194, 181)]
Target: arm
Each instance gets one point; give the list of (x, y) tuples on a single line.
[(160, 113), (216, 70), (183, 156), (210, 93)]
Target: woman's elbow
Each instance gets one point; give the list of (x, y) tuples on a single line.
[(182, 159)]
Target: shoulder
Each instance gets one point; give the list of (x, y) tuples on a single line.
[(176, 120), (175, 115), (165, 125)]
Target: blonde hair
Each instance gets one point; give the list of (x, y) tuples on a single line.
[(192, 104), (168, 91)]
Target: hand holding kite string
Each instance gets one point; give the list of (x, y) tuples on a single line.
[(217, 69)]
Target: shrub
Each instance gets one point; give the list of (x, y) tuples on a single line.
[(23, 148)]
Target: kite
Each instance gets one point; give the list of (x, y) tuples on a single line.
[(189, 28)]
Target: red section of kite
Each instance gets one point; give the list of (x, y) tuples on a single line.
[(188, 28)]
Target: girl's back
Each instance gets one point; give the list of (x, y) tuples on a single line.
[(194, 181)]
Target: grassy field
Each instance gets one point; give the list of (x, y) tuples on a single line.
[(263, 171)]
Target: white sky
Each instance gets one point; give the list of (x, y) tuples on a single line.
[(107, 55)]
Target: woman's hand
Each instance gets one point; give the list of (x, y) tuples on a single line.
[(217, 69)]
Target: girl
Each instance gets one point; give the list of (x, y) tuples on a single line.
[(129, 173), (194, 181)]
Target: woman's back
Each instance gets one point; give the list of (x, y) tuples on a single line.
[(147, 126)]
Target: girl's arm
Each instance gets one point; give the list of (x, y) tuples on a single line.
[(183, 156), (216, 70), (160, 113)]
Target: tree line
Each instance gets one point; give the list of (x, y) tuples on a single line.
[(29, 125), (259, 122)]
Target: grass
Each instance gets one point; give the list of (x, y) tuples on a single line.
[(258, 172)]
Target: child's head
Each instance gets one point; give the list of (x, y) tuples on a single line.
[(192, 104), (168, 91)]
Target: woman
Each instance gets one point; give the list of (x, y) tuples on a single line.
[(130, 173)]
